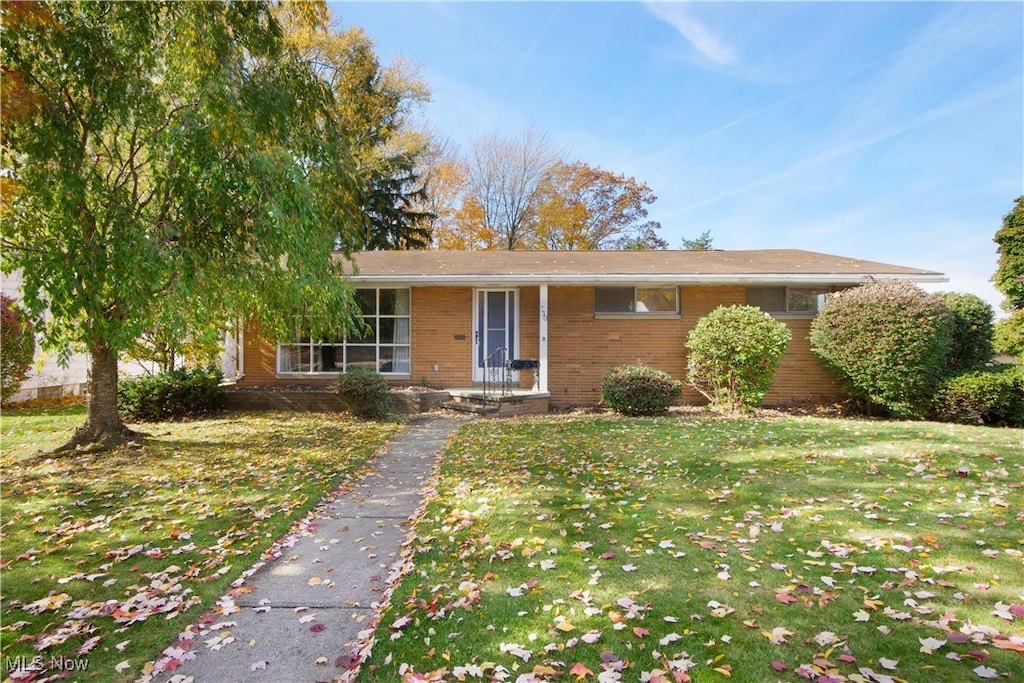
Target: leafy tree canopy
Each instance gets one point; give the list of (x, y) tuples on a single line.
[(700, 243), (374, 105), (1009, 277), (162, 152), (518, 192), (582, 207)]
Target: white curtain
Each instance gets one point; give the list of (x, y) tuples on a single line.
[(402, 335), (402, 332)]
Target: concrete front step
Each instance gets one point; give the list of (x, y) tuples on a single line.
[(471, 407), (518, 403)]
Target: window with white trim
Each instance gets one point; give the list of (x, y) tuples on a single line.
[(636, 300), (788, 299), (384, 347)]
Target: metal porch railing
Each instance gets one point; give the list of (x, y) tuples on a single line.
[(497, 378), (499, 370)]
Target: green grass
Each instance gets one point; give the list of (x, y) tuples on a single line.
[(715, 547), (98, 550), (26, 430)]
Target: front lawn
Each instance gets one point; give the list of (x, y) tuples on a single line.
[(106, 558), (696, 548)]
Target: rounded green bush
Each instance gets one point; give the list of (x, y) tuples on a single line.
[(993, 396), (735, 352), (888, 340), (639, 389), (178, 393), (364, 393), (970, 343)]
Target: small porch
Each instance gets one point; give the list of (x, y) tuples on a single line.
[(510, 403), (500, 391)]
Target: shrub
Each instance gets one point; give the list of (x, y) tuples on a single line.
[(177, 393), (639, 389), (994, 396), (734, 354), (970, 343), (1008, 336), (17, 346), (364, 393), (888, 340)]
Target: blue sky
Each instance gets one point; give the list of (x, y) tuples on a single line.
[(884, 131)]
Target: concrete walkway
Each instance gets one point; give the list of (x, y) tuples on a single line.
[(306, 612)]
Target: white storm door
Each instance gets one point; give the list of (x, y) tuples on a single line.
[(495, 327)]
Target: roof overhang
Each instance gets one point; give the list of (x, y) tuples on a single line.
[(626, 279), (596, 268)]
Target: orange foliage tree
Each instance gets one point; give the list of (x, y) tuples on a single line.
[(583, 207)]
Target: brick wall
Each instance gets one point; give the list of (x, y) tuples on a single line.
[(581, 346), (442, 335)]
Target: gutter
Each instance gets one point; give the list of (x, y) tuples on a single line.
[(652, 278)]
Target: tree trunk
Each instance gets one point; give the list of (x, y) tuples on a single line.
[(103, 428)]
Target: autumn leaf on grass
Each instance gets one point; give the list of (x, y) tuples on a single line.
[(1008, 612), (778, 635), (825, 638), (719, 610), (1015, 643), (516, 650), (785, 597), (872, 675), (50, 602), (564, 625), (89, 645), (670, 638), (930, 645), (580, 671)]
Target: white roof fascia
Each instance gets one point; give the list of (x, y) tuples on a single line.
[(654, 278)]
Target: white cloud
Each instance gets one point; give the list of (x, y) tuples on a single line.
[(700, 36)]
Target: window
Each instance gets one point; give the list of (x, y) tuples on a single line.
[(384, 346), (638, 300), (787, 299)]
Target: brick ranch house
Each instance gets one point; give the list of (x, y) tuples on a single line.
[(438, 315)]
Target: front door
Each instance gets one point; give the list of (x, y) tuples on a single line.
[(495, 327)]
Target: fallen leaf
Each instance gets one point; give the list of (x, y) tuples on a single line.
[(778, 635), (785, 597), (580, 671)]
